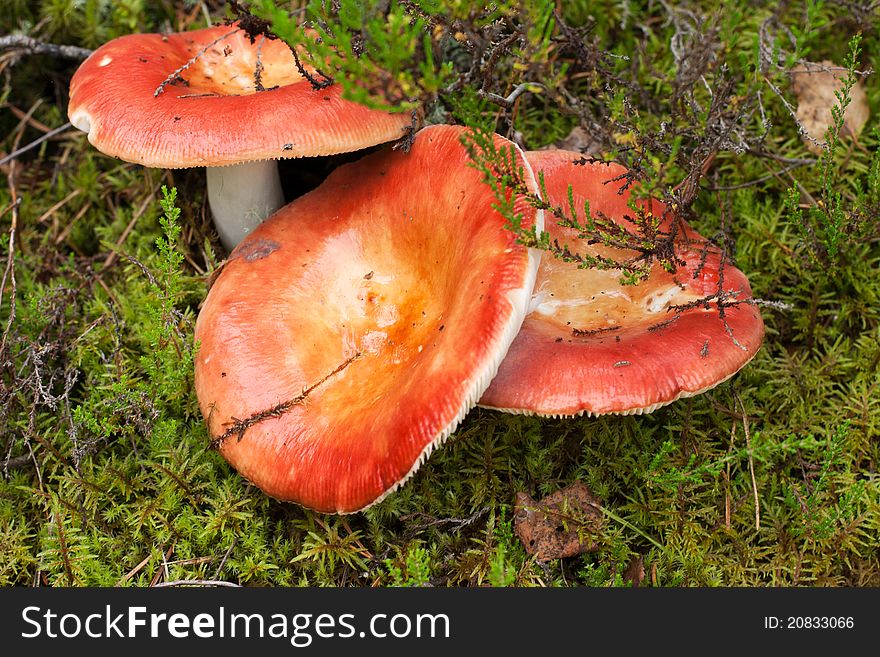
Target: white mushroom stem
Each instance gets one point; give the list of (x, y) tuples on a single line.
[(241, 196)]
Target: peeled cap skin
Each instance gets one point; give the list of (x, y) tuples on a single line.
[(212, 113), (591, 345), (354, 328)]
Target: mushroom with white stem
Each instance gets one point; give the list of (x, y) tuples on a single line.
[(217, 98), (338, 351), (591, 345)]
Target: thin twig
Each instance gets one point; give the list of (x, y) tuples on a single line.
[(758, 181), (31, 121), (317, 84), (111, 257), (802, 131), (258, 69), (727, 477), (62, 548), (15, 462), (237, 427), (134, 571), (48, 213), (196, 582), (780, 158), (36, 142), (65, 233), (225, 557), (511, 97), (176, 73), (745, 420), (457, 523), (33, 47), (9, 271), (157, 577)]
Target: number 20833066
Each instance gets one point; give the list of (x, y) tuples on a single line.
[(809, 622)]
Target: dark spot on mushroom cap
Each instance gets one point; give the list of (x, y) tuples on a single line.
[(256, 250)]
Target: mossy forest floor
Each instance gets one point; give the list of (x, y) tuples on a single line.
[(771, 479)]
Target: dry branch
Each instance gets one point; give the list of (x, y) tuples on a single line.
[(31, 46)]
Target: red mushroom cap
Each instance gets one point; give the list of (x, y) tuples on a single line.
[(591, 345), (210, 113), (349, 334)]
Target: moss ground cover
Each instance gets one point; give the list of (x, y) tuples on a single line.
[(769, 479)]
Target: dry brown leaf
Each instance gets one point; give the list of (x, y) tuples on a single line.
[(578, 140), (560, 525), (814, 84), (635, 572)]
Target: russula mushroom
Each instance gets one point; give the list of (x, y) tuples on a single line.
[(336, 353), (217, 99), (591, 345)]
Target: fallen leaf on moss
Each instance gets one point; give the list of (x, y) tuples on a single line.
[(635, 572), (578, 140), (561, 525), (814, 84)]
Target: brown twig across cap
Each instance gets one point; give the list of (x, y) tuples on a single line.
[(350, 333)]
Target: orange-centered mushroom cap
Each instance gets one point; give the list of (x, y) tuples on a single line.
[(349, 334), (592, 345), (191, 99)]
